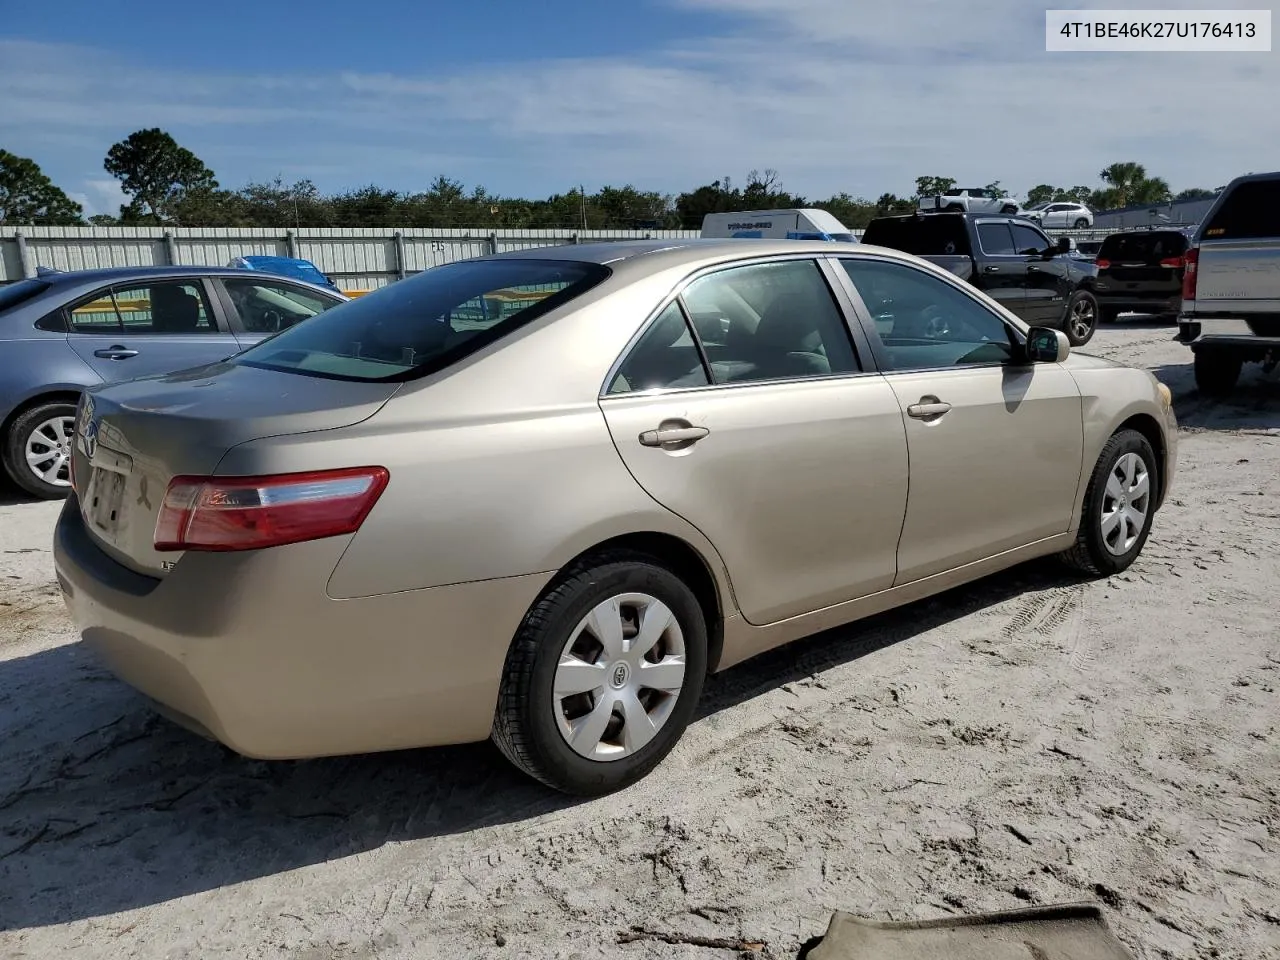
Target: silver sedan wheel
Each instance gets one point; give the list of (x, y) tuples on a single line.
[(49, 450), (619, 676), (1125, 504), (1083, 318)]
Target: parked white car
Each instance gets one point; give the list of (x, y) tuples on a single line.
[(1061, 216)]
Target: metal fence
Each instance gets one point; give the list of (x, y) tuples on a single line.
[(360, 258)]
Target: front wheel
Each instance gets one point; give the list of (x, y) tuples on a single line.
[(1081, 224), (1119, 506), (1217, 372), (603, 676), (1082, 317), (37, 449)]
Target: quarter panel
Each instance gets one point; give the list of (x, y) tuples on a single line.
[(36, 367)]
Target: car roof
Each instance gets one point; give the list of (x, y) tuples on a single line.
[(107, 274), (694, 248)]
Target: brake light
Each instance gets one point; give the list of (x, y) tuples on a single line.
[(1190, 264), (1175, 262), (1102, 264), (249, 513)]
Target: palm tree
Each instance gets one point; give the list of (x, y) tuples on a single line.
[(1129, 185)]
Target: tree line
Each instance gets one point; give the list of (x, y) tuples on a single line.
[(168, 184)]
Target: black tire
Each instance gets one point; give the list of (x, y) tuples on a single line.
[(1217, 371), (1107, 314), (1009, 208), (15, 447), (1090, 554), (1082, 224), (1081, 321), (525, 726), (954, 208)]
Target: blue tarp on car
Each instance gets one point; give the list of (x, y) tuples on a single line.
[(286, 267)]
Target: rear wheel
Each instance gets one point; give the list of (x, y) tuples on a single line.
[(603, 675), (1217, 371), (37, 449), (1009, 208), (1119, 505), (1082, 318)]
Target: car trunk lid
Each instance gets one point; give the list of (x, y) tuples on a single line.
[(133, 438)]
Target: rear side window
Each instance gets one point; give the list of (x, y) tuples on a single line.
[(1249, 212), (996, 239), (930, 236), (12, 294), (418, 326)]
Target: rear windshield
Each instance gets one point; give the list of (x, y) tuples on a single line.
[(1251, 211), (12, 294), (1148, 248), (418, 326), (936, 236)]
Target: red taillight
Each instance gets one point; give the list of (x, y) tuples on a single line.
[(1189, 263), (1175, 262), (1102, 264), (249, 513)]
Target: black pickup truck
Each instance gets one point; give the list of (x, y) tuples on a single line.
[(1008, 258)]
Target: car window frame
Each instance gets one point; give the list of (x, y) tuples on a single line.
[(880, 355), (212, 308), (228, 306), (853, 328)]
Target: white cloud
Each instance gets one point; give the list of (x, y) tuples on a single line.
[(836, 95)]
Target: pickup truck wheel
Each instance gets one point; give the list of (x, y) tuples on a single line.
[(1119, 506), (1082, 318), (955, 208), (1082, 224), (1217, 372), (1009, 208)]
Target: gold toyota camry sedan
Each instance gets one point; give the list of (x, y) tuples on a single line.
[(539, 496)]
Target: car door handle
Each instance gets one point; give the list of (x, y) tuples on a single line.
[(990, 269), (115, 353), (673, 434), (929, 408)]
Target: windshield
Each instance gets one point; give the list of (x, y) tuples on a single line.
[(15, 293), (424, 324)]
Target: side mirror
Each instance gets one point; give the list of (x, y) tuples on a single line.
[(1064, 245), (1046, 345)]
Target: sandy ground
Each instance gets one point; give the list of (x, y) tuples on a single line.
[(1028, 739)]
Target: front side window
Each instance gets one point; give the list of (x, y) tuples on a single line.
[(1028, 241), (266, 306), (417, 326), (769, 321), (164, 307), (923, 321)]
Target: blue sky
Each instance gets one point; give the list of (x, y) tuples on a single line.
[(532, 99)]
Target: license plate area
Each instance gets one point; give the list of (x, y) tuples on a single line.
[(104, 500), (104, 495)]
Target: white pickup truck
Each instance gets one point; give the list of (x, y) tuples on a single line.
[(969, 200)]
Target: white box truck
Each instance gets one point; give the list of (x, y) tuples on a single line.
[(776, 225)]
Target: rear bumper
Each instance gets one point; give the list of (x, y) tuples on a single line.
[(249, 649), (1225, 331), (1140, 303)]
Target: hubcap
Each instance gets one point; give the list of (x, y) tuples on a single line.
[(1125, 503), (49, 450), (619, 677), (1082, 317)]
